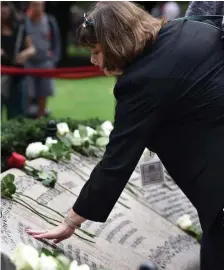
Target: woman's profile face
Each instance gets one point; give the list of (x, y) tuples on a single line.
[(97, 56), (97, 59)]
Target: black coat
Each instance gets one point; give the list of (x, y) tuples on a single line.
[(171, 100)]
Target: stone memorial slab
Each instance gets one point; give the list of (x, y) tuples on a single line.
[(166, 199), (130, 235)]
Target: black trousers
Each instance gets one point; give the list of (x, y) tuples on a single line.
[(212, 246)]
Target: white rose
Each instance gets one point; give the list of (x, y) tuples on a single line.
[(49, 141), (184, 222), (76, 134), (33, 149), (47, 263), (25, 257), (64, 260), (62, 128), (107, 127), (102, 141), (83, 267), (74, 266), (90, 131)]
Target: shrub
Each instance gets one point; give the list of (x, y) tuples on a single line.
[(16, 134)]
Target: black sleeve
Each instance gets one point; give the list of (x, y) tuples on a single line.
[(135, 119)]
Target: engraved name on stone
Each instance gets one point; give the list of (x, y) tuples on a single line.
[(138, 241), (107, 223), (69, 184), (46, 197), (127, 235), (117, 229), (6, 235)]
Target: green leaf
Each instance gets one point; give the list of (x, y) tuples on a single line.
[(86, 143), (9, 178), (49, 182), (49, 179), (83, 131), (57, 148), (42, 175), (46, 252), (102, 141), (68, 156), (49, 156), (8, 188)]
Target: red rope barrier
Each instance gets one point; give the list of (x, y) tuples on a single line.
[(62, 73)]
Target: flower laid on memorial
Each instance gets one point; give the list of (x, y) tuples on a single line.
[(22, 260), (27, 257), (49, 141), (107, 127), (186, 224), (9, 192), (34, 150), (18, 161), (86, 140), (62, 128), (52, 149)]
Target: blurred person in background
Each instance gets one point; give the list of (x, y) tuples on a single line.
[(207, 8), (16, 49), (168, 10), (171, 11), (44, 32)]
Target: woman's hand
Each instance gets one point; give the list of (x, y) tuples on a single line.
[(22, 57), (61, 232)]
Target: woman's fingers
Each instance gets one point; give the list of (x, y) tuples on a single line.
[(57, 234), (43, 234), (56, 241), (33, 232), (47, 235)]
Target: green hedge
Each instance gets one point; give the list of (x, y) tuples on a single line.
[(18, 133)]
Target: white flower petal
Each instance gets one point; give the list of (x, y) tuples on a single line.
[(73, 265), (184, 222), (64, 260), (49, 141), (45, 148), (90, 131), (62, 128), (107, 132), (107, 125), (48, 263), (76, 134), (33, 150), (83, 267), (22, 261), (102, 141)]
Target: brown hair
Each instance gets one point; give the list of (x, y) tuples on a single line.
[(122, 28)]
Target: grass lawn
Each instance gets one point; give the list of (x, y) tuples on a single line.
[(84, 98)]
